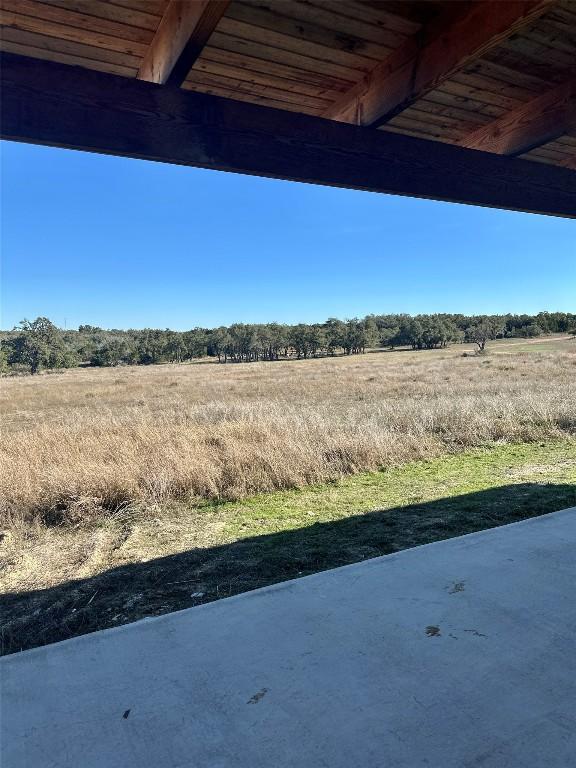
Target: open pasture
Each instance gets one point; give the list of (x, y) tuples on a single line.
[(129, 492), (87, 441)]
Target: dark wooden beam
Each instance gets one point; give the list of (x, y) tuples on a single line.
[(462, 33), (181, 35), (537, 122), (63, 106)]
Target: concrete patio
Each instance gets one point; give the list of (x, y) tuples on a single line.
[(456, 654)]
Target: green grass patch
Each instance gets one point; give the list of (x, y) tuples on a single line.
[(544, 467), (186, 556), (513, 346)]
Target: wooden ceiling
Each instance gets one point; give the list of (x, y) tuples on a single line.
[(320, 56), (493, 75)]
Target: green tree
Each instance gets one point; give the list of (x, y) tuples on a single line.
[(114, 352), (4, 350), (219, 342), (299, 340), (196, 342), (483, 330), (175, 347), (335, 331), (38, 345)]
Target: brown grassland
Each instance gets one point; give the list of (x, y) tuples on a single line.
[(129, 492), (87, 441)]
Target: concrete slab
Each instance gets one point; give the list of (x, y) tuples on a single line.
[(460, 653)]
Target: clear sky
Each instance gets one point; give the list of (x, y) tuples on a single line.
[(129, 244)]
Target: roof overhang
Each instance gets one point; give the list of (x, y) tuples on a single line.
[(394, 129)]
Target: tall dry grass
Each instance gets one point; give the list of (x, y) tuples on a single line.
[(79, 442)]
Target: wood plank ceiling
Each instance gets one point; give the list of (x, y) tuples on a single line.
[(496, 75)]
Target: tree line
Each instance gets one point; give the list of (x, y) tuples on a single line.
[(40, 344)]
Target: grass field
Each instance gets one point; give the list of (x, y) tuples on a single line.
[(65, 581), (539, 344), (133, 491), (87, 440)]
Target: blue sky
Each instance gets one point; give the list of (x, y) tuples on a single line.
[(124, 243)]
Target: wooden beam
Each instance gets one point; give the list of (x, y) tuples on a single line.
[(64, 106), (537, 122), (181, 35), (463, 32)]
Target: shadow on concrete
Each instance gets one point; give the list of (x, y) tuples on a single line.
[(134, 591)]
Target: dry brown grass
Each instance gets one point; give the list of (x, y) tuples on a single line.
[(80, 441)]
